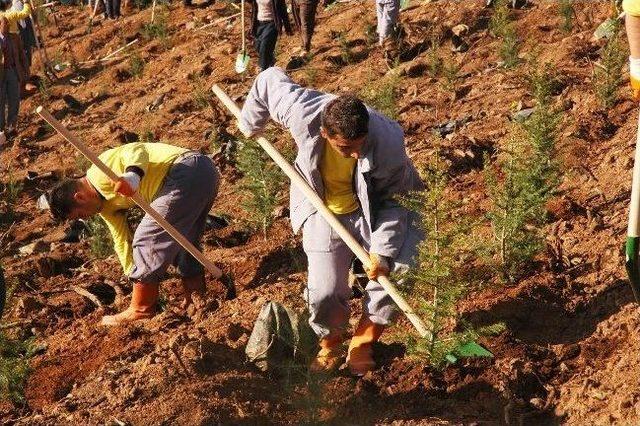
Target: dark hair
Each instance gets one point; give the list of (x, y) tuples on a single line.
[(346, 116), (61, 200)]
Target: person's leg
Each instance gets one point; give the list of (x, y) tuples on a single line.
[(3, 101), (328, 291), (387, 12), (268, 35), (207, 177), (13, 97), (116, 8), (308, 12)]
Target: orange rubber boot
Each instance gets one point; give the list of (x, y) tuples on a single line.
[(143, 305), (360, 357), (330, 355)]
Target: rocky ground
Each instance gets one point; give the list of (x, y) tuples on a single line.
[(570, 351)]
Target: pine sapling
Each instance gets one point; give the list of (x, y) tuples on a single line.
[(565, 8), (607, 74), (261, 183), (442, 274), (383, 94), (100, 244)]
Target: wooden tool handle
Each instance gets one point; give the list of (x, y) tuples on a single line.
[(137, 198), (318, 203)]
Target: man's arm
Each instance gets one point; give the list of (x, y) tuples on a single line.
[(121, 235), (389, 226), (272, 95)]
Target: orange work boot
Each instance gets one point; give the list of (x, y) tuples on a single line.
[(144, 298), (191, 285), (360, 356), (330, 355)]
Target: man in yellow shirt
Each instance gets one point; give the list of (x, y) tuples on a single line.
[(180, 184)]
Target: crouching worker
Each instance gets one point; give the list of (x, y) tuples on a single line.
[(354, 157), (180, 185)]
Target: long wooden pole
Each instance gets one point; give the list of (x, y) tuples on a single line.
[(318, 203), (137, 198)]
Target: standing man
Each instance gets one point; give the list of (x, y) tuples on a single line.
[(180, 185), (387, 12), (354, 158), (268, 19), (10, 81), (304, 16)]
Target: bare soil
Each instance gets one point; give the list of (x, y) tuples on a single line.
[(571, 350)]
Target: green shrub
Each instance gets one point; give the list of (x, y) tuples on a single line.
[(382, 94), (261, 183), (500, 18), (510, 47), (607, 74), (441, 276), (101, 243), (346, 53), (523, 178), (14, 362), (565, 9), (159, 28), (136, 65)]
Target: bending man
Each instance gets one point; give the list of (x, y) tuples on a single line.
[(355, 159), (180, 185)]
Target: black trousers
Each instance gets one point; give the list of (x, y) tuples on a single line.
[(265, 42)]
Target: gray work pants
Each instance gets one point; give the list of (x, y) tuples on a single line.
[(387, 12), (9, 98), (184, 200), (329, 259)]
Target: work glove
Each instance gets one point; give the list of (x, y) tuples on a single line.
[(128, 184), (379, 266), (634, 77)]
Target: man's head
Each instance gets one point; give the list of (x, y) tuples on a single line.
[(73, 199), (4, 26), (345, 122)]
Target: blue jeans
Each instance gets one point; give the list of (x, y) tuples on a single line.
[(266, 37)]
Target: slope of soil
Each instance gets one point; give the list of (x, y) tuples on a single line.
[(571, 350)]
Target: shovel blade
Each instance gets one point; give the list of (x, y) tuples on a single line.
[(242, 62)]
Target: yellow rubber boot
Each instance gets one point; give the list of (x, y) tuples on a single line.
[(144, 298), (360, 356), (330, 355)]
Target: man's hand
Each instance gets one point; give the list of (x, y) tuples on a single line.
[(379, 266), (127, 184), (247, 133)]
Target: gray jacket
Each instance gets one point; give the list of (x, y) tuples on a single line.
[(383, 169)]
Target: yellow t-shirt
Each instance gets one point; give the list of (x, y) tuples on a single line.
[(337, 175), (154, 159), (13, 16), (632, 7)]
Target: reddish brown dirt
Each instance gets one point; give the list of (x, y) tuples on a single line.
[(571, 350)]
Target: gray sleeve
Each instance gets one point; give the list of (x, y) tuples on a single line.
[(389, 226), (271, 96)]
